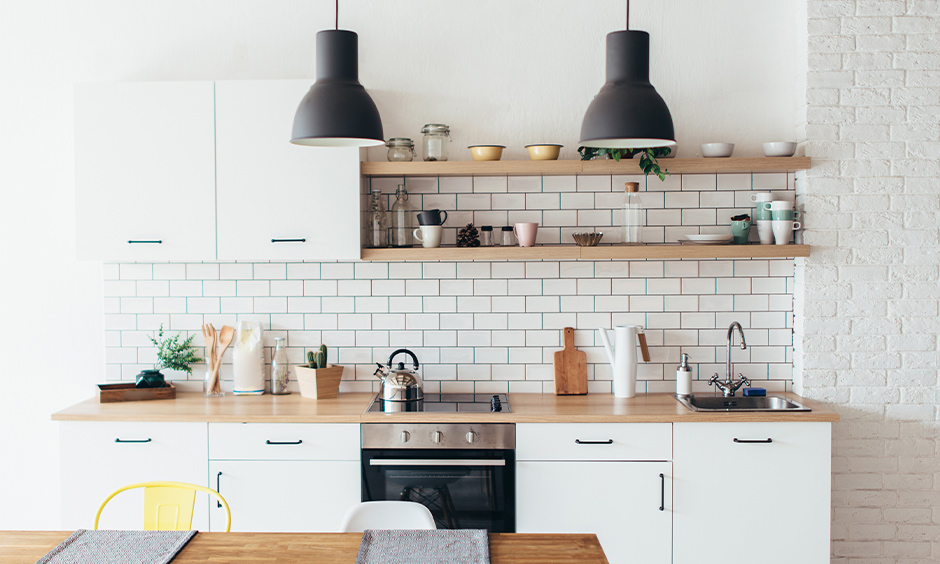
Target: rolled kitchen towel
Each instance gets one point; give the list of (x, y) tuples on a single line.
[(118, 547), (462, 546)]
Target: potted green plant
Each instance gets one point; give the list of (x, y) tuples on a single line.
[(649, 162), (174, 353), (318, 380)]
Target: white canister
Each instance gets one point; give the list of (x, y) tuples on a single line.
[(248, 359), (684, 377)]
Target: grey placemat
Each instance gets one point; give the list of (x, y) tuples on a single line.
[(118, 547), (463, 546)]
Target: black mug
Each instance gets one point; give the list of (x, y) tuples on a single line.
[(432, 217)]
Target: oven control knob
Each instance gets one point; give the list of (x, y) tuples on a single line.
[(437, 437), (472, 437), (405, 435)]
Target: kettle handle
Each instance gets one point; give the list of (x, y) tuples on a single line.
[(406, 351)]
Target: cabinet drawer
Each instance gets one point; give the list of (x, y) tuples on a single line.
[(594, 441), (283, 441)]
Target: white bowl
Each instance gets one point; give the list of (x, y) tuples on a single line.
[(780, 149), (713, 150)]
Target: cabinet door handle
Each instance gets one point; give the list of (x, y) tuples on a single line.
[(218, 488), (753, 441), (288, 240), (662, 492), (270, 442), (133, 440), (145, 242), (607, 442)]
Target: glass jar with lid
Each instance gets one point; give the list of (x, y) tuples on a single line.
[(400, 150), (401, 232), (509, 238), (486, 236), (436, 141)]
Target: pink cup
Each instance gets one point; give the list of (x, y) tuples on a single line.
[(526, 233)]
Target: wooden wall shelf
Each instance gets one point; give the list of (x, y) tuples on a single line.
[(575, 167), (574, 252)]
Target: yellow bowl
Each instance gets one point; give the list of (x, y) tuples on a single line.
[(544, 152), (486, 152)]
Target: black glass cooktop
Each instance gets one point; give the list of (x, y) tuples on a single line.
[(447, 403)]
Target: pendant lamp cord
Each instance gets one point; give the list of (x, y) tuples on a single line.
[(628, 14), (337, 13)]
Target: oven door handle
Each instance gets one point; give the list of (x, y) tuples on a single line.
[(435, 462)]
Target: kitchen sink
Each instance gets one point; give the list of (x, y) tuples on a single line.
[(744, 403)]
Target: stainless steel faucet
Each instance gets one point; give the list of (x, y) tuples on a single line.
[(729, 386)]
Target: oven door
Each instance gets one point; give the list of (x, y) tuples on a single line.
[(464, 489)]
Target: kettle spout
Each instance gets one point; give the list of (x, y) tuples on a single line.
[(606, 341)]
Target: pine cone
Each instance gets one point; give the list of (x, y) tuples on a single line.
[(468, 236)]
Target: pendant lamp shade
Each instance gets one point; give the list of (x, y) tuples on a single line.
[(337, 111), (627, 113)]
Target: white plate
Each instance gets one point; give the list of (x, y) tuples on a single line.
[(706, 239)]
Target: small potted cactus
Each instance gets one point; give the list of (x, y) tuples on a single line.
[(318, 380)]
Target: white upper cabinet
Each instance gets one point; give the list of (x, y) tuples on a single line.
[(277, 200), (145, 171)]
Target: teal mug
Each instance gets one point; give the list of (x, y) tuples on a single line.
[(740, 230), (761, 213), (786, 215)]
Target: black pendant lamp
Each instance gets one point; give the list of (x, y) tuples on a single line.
[(627, 113), (337, 111)]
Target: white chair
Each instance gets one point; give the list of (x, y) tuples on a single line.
[(387, 515)]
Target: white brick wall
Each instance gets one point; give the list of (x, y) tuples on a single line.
[(492, 326), (867, 299)]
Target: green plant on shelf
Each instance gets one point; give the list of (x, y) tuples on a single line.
[(174, 353), (649, 162)]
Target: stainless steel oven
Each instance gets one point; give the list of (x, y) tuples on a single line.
[(464, 473)]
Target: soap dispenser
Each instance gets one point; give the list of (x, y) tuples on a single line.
[(684, 377)]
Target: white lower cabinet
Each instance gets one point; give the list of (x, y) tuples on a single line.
[(614, 480), (100, 457), (284, 477), (752, 492)]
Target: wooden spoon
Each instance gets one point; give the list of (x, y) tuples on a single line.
[(226, 334)]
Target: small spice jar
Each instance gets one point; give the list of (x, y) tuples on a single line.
[(509, 238), (436, 141), (400, 150), (486, 236)]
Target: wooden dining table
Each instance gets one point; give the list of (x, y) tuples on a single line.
[(21, 547)]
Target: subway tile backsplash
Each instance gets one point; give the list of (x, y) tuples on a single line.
[(490, 326)]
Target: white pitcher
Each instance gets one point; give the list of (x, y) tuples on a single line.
[(623, 358)]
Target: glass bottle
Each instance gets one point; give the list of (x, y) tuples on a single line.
[(400, 149), (631, 218), (509, 238), (280, 370), (401, 233), (436, 141), (378, 222), (486, 236)]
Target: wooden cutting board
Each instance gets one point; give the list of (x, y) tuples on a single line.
[(570, 367)]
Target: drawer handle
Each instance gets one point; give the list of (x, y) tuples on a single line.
[(133, 440), (144, 242), (753, 441), (662, 492), (607, 442), (218, 478), (288, 240), (270, 442)]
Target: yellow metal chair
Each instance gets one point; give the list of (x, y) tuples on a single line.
[(168, 506)]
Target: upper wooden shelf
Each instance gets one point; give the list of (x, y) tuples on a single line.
[(601, 252), (574, 167)]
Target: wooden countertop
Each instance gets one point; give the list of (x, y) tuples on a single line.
[(351, 408), (21, 547)]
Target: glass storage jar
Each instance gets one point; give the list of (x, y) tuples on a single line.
[(436, 141), (401, 232), (400, 150), (378, 222), (280, 370), (509, 238), (486, 236), (632, 216)]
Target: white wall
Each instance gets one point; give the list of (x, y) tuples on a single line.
[(725, 68)]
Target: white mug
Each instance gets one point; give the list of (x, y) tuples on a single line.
[(777, 205), (762, 197), (783, 230), (765, 231), (429, 235)]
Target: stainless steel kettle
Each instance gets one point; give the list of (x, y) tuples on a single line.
[(400, 384)]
